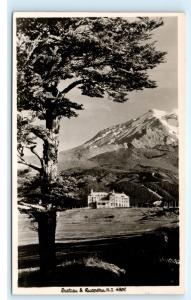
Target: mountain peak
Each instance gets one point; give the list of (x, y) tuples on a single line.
[(160, 114), (157, 112), (153, 128)]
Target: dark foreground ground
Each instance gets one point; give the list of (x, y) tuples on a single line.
[(147, 256)]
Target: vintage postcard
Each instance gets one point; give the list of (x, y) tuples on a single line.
[(98, 153)]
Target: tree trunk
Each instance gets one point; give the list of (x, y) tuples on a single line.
[(46, 235), (50, 152), (47, 220)]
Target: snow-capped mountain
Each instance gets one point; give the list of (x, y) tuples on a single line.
[(152, 129)]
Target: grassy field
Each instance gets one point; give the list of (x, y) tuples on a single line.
[(89, 224), (135, 246)]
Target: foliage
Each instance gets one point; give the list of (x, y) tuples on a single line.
[(103, 55)]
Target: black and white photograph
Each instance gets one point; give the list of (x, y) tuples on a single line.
[(98, 153)]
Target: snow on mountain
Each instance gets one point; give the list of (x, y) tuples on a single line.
[(152, 128)]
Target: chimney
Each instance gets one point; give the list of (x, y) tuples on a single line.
[(92, 191)]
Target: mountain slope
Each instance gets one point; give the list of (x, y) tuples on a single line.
[(153, 128), (139, 159), (149, 136)]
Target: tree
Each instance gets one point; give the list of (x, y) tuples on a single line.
[(101, 57)]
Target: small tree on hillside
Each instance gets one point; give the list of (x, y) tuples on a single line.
[(103, 57)]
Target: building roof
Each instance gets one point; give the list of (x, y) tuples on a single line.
[(98, 193), (107, 194), (118, 194)]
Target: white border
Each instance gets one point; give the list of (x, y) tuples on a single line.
[(181, 112), (4, 151)]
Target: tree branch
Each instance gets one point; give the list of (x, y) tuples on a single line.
[(39, 132), (35, 44), (32, 149), (71, 86), (29, 165), (22, 161)]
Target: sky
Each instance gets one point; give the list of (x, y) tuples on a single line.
[(99, 113)]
